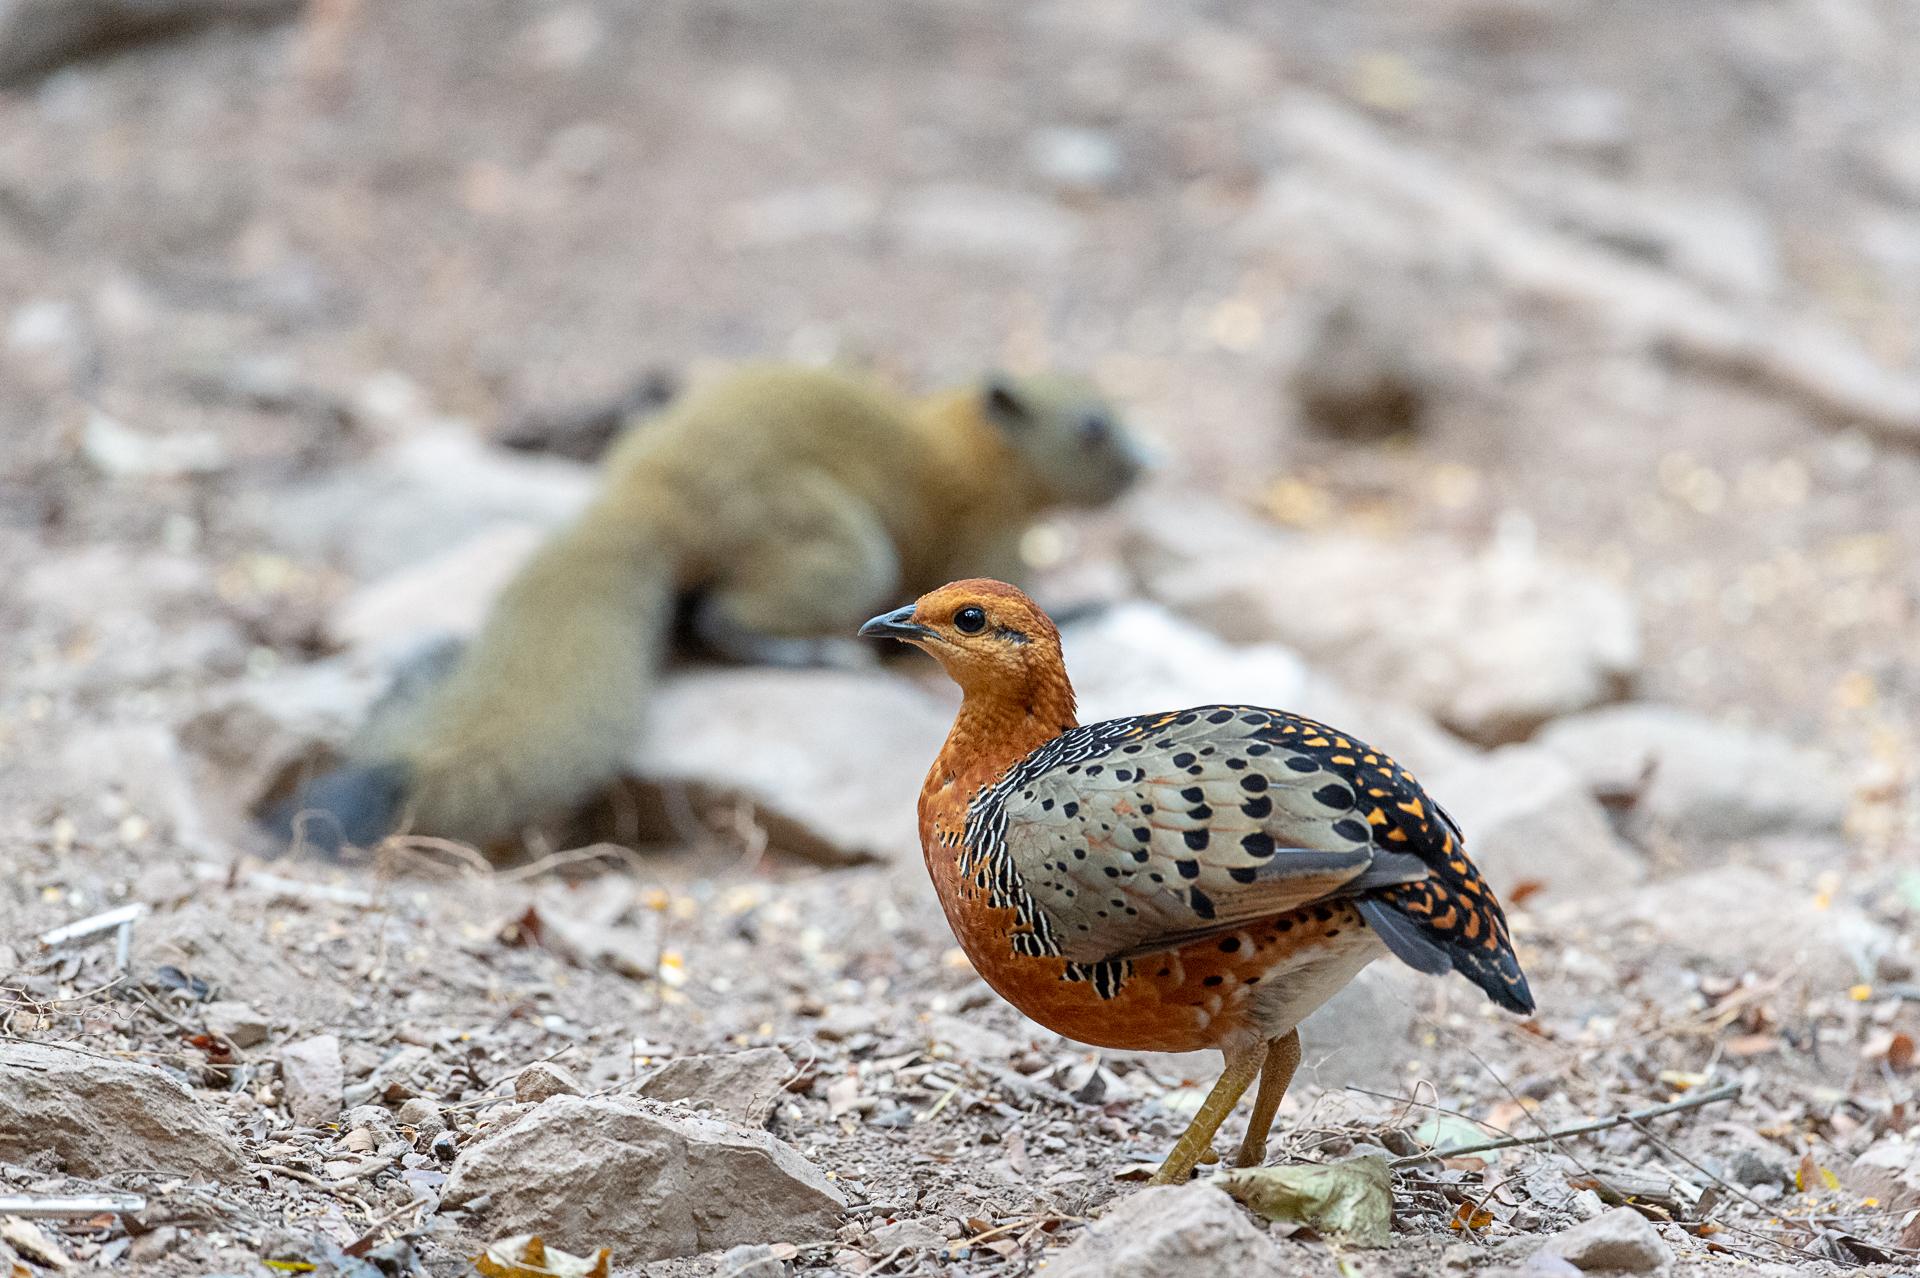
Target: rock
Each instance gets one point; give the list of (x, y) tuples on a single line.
[(1527, 817), (421, 1114), (1139, 657), (752, 1260), (391, 614), (239, 1023), (1076, 160), (985, 224), (1351, 1039), (422, 495), (1617, 1241), (707, 731), (1686, 777), (243, 960), (1889, 1171), (833, 211), (1493, 643), (1735, 917), (973, 1042), (541, 1081), (740, 1087), (1171, 1229), (131, 772), (646, 1181), (101, 1116), (313, 1075), (38, 35), (916, 1235)]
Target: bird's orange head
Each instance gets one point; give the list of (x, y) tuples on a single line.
[(993, 641)]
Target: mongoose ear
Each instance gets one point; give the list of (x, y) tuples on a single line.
[(1004, 404)]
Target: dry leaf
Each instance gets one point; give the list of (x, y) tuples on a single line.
[(1352, 1200), (1470, 1217), (1811, 1175), (1895, 1047), (525, 1256)]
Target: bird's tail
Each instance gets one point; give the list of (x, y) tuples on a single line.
[(1434, 925), (542, 710)]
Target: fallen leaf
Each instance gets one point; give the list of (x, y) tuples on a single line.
[(1519, 892), (1352, 1200), (1811, 1175), (1470, 1217), (1445, 1131), (525, 1256), (1895, 1047)]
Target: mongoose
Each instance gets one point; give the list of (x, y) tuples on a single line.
[(778, 507)]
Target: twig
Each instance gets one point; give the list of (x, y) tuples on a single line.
[(70, 1206), (1578, 1129), (118, 921)]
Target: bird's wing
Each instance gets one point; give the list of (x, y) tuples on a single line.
[(1142, 834)]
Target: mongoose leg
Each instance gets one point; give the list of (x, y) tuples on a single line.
[(1242, 1065), (1283, 1057)]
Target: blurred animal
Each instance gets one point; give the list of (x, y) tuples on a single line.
[(776, 508), (1193, 879)]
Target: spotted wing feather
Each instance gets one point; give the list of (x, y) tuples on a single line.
[(1138, 834)]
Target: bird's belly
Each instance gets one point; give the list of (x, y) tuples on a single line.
[(1253, 984)]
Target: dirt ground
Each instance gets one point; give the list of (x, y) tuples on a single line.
[(1649, 273)]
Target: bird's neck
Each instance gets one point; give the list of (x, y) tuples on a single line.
[(997, 727)]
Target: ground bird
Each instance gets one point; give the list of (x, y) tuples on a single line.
[(1202, 878), (772, 511)]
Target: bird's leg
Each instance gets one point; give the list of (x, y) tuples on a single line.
[(1242, 1065), (1283, 1057)]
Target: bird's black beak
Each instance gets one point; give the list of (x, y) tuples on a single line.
[(898, 624)]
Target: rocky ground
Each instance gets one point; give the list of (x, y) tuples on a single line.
[(1535, 383)]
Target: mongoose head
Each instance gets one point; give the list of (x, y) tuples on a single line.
[(1074, 442)]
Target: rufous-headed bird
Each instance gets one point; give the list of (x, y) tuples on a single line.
[(1199, 878)]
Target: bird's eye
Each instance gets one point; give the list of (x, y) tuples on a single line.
[(970, 621), (1095, 430)]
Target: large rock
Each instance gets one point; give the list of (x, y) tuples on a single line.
[(642, 1179), (449, 593), (740, 1087), (1620, 1241), (1687, 777), (1171, 1229), (314, 1076), (420, 496), (1138, 657), (1355, 1037), (1737, 917), (101, 1116), (1492, 643), (1527, 818), (1890, 1171), (831, 759)]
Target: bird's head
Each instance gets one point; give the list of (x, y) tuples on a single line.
[(992, 639)]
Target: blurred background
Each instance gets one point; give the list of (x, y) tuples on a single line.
[(1537, 384)]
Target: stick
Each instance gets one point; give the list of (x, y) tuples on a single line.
[(71, 1207), (90, 926), (1578, 1129)]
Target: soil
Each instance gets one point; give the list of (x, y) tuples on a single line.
[(276, 242)]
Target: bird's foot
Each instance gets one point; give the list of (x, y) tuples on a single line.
[(1250, 1154)]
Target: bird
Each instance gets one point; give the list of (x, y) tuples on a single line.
[(1193, 879)]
